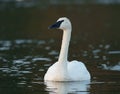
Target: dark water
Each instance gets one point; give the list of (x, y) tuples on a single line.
[(28, 48)]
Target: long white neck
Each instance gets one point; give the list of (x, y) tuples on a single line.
[(65, 46)]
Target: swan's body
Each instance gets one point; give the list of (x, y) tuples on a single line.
[(63, 70)]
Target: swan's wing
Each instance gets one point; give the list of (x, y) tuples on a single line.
[(50, 72), (78, 71)]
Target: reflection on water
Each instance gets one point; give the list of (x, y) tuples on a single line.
[(68, 87), (115, 67)]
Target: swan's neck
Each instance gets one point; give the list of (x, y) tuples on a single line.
[(65, 46)]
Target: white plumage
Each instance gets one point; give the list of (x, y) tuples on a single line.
[(63, 70)]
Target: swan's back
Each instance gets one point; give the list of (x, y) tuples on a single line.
[(77, 71)]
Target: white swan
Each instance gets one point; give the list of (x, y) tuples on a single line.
[(63, 70)]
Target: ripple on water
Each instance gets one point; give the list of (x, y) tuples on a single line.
[(23, 41), (114, 68), (40, 59), (19, 61), (114, 52), (5, 70), (5, 43), (53, 52), (25, 72)]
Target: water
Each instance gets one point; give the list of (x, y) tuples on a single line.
[(28, 48), (23, 64)]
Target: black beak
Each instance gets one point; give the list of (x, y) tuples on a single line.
[(56, 25)]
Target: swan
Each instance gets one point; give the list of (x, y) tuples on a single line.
[(64, 70)]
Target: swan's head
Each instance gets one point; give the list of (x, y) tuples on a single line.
[(62, 23)]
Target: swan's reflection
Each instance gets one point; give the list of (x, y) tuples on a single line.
[(68, 87)]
